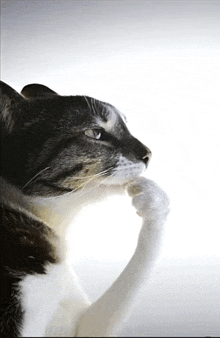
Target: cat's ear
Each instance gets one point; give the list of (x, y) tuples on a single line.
[(37, 90), (9, 101)]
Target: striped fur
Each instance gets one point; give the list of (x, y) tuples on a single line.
[(58, 154)]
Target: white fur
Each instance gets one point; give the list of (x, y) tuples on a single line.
[(112, 120), (125, 170), (54, 304), (104, 316)]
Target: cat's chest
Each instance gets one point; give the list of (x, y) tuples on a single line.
[(42, 297)]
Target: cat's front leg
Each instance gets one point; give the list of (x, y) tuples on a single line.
[(152, 204), (104, 316)]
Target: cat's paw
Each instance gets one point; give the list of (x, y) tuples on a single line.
[(150, 201)]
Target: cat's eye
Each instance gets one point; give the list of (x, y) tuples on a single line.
[(93, 133)]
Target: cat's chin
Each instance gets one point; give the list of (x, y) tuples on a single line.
[(118, 180)]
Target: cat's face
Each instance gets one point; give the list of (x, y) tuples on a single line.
[(54, 144)]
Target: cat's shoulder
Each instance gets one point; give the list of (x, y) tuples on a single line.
[(26, 243)]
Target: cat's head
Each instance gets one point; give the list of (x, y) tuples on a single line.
[(54, 144)]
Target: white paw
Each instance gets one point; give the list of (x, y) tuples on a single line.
[(150, 201)]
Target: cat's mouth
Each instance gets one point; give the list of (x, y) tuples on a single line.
[(125, 171)]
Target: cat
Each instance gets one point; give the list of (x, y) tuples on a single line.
[(59, 154)]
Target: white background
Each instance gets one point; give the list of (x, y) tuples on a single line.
[(159, 63)]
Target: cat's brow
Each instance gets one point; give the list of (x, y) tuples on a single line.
[(112, 119)]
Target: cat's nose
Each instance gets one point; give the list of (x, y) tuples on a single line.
[(146, 158), (137, 150)]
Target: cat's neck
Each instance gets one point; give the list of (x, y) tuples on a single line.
[(57, 212), (12, 197)]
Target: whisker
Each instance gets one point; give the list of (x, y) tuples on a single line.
[(87, 102), (106, 179), (102, 173), (95, 175), (85, 179), (34, 177), (93, 106), (84, 184)]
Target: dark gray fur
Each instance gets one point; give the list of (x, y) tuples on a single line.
[(48, 132), (43, 147)]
